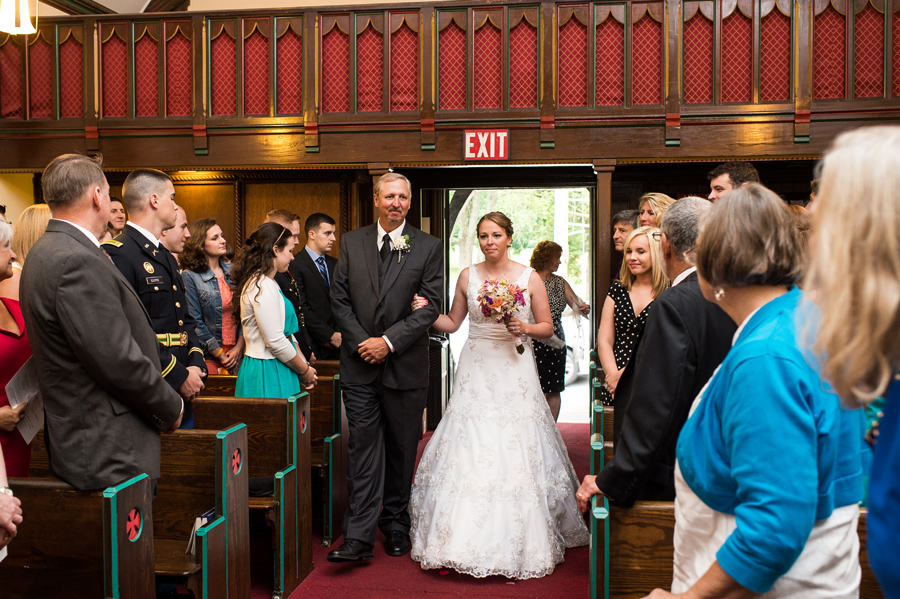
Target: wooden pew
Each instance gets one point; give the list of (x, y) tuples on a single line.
[(278, 442), (202, 469), (328, 443), (639, 553), (192, 480), (80, 543)]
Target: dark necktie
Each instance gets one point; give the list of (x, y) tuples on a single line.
[(385, 247), (323, 270)]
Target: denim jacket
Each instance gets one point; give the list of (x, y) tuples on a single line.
[(205, 305)]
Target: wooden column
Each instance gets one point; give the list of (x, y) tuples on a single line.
[(602, 232), (91, 44), (548, 48), (427, 79), (802, 61), (311, 67), (672, 65), (200, 99)]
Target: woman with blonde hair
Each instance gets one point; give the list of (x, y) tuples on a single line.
[(30, 225), (652, 207), (625, 310), (857, 283)]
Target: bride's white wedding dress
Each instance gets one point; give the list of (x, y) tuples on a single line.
[(495, 490)]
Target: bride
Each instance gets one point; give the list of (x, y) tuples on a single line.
[(495, 490)]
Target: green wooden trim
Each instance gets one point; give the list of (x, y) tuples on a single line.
[(328, 508), (548, 145), (428, 147), (673, 143), (801, 139), (113, 585), (201, 152)]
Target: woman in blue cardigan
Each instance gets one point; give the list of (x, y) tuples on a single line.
[(768, 477), (857, 278)]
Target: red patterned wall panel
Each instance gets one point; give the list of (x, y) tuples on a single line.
[(146, 72), (115, 81), (178, 76), (646, 62), (775, 62), (404, 69), (336, 71), (610, 63), (71, 79), (869, 53), (369, 70), (573, 64), (737, 33), (829, 60), (40, 84), (222, 65), (698, 60), (488, 91), (895, 59), (11, 81), (256, 74), (523, 66), (452, 68), (290, 73)]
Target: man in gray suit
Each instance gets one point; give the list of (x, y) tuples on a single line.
[(384, 365), (105, 400)]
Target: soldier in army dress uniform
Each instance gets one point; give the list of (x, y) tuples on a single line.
[(151, 269)]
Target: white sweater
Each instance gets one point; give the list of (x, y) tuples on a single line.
[(262, 319)]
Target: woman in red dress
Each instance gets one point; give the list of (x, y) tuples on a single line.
[(14, 351)]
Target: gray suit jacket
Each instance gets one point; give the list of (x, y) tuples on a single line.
[(105, 401), (363, 308)]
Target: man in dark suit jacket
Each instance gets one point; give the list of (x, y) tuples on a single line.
[(289, 285), (104, 399), (384, 365), (313, 270), (153, 272), (684, 341)]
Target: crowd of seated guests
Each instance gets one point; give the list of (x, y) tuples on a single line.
[(755, 344)]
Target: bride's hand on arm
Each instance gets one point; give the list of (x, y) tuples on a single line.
[(450, 322), (540, 308)]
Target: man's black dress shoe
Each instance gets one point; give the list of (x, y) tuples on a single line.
[(351, 550), (396, 543)]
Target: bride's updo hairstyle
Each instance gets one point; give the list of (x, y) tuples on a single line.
[(499, 219), (256, 258)]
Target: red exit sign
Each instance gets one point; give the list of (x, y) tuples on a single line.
[(487, 144)]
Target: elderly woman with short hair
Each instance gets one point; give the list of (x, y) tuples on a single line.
[(768, 476), (550, 354)]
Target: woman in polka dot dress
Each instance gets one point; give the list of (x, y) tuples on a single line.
[(627, 304)]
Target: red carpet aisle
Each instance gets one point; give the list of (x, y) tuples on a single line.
[(401, 578)]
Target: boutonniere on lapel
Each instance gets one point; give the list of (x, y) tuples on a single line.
[(400, 245)]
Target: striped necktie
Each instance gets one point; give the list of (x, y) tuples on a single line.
[(323, 270)]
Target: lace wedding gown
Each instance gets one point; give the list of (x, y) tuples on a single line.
[(495, 490)]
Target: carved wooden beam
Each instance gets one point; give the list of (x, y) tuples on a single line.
[(167, 5), (80, 7)]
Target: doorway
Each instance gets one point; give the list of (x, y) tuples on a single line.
[(561, 215)]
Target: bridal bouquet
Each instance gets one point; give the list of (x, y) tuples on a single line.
[(498, 301)]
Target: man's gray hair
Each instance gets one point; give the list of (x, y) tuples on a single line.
[(681, 222), (6, 233)]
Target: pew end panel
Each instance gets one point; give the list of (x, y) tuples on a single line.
[(212, 558), (233, 502), (84, 544), (288, 571), (300, 425), (128, 538)]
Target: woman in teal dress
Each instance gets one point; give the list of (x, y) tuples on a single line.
[(272, 365)]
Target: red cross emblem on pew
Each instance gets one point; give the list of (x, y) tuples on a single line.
[(236, 461), (302, 422), (133, 524)]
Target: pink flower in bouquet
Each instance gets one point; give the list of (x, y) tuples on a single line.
[(499, 300)]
